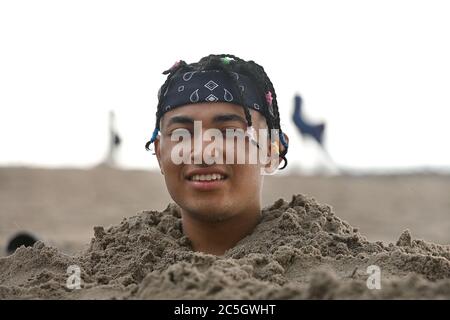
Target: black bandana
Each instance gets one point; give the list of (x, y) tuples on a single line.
[(212, 86)]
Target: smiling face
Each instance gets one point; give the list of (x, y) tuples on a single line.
[(215, 192)]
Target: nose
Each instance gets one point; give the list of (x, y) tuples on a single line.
[(207, 147)]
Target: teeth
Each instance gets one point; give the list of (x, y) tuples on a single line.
[(207, 177)]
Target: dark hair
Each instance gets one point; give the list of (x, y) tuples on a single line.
[(230, 63)]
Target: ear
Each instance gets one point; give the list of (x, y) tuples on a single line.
[(278, 146), (272, 154), (157, 144), (275, 149)]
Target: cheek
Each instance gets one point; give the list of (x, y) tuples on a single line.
[(165, 158), (247, 178), (165, 153), (171, 170)]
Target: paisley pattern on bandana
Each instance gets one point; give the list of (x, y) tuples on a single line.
[(212, 86)]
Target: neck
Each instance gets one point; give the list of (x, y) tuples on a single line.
[(217, 237)]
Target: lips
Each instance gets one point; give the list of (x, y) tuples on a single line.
[(206, 179), (205, 174)]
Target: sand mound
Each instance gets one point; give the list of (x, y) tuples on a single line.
[(299, 250)]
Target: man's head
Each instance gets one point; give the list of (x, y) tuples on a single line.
[(222, 92), (210, 192)]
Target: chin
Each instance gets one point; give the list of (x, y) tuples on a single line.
[(208, 212)]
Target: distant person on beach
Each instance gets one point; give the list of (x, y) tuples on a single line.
[(114, 141), (307, 129), (220, 201), (316, 132)]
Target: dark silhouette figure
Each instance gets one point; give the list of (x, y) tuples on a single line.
[(18, 240), (307, 129), (114, 141)]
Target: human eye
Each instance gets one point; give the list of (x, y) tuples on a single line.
[(179, 132), (233, 132), (230, 129)]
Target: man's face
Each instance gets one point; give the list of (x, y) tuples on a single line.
[(236, 187)]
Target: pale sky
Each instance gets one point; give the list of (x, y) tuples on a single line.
[(377, 72)]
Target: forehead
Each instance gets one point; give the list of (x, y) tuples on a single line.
[(208, 110)]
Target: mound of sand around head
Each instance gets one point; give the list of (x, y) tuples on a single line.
[(299, 250)]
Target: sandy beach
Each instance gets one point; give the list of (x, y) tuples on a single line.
[(316, 243)]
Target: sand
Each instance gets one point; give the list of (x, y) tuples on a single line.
[(60, 206), (299, 250)]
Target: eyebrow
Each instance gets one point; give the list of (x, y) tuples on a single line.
[(180, 120), (229, 117), (217, 118)]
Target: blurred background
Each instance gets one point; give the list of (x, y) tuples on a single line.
[(75, 76)]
